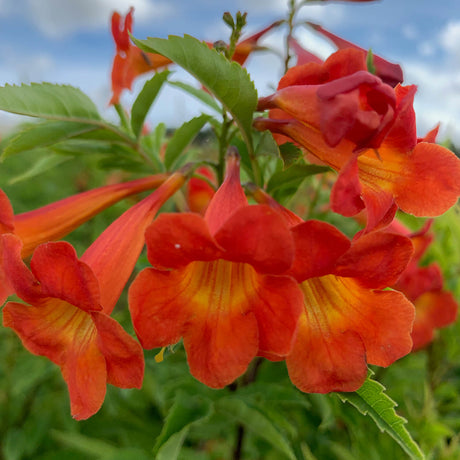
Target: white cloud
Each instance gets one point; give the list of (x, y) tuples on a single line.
[(450, 38), (437, 99), (57, 18), (323, 14)]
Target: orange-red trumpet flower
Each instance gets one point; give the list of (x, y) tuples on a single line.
[(216, 283), (348, 320), (367, 138), (68, 303), (129, 61)]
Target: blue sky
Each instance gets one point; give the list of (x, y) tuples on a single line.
[(69, 41)]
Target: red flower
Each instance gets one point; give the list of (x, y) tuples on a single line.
[(57, 219), (389, 73), (357, 107), (214, 284), (424, 286), (347, 319), (69, 302), (129, 61), (392, 170)]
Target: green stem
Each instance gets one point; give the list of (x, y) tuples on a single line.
[(290, 22), (223, 146), (249, 377), (123, 117)]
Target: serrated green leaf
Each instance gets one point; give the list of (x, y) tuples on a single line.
[(201, 95), (47, 100), (182, 138), (145, 100), (44, 134), (294, 173), (44, 163), (371, 400), (185, 411), (251, 418), (226, 80)]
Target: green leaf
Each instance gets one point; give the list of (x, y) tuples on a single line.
[(91, 147), (44, 163), (47, 100), (228, 81), (290, 153), (145, 100), (295, 173), (182, 138), (255, 421), (267, 145), (203, 96), (128, 453), (44, 134), (92, 447), (185, 411), (371, 400)]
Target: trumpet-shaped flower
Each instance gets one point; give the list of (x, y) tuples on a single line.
[(57, 219), (424, 286), (68, 303), (129, 61), (380, 162), (216, 283), (348, 320)]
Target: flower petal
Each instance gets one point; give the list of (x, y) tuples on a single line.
[(6, 214), (430, 184), (220, 345), (376, 259), (318, 246), (433, 310), (63, 276), (259, 236), (175, 240), (123, 355), (346, 192), (66, 335), (383, 319), (157, 306), (325, 358), (229, 197), (18, 277), (85, 373), (277, 312), (380, 206)]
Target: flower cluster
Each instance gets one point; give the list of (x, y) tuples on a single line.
[(233, 279)]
